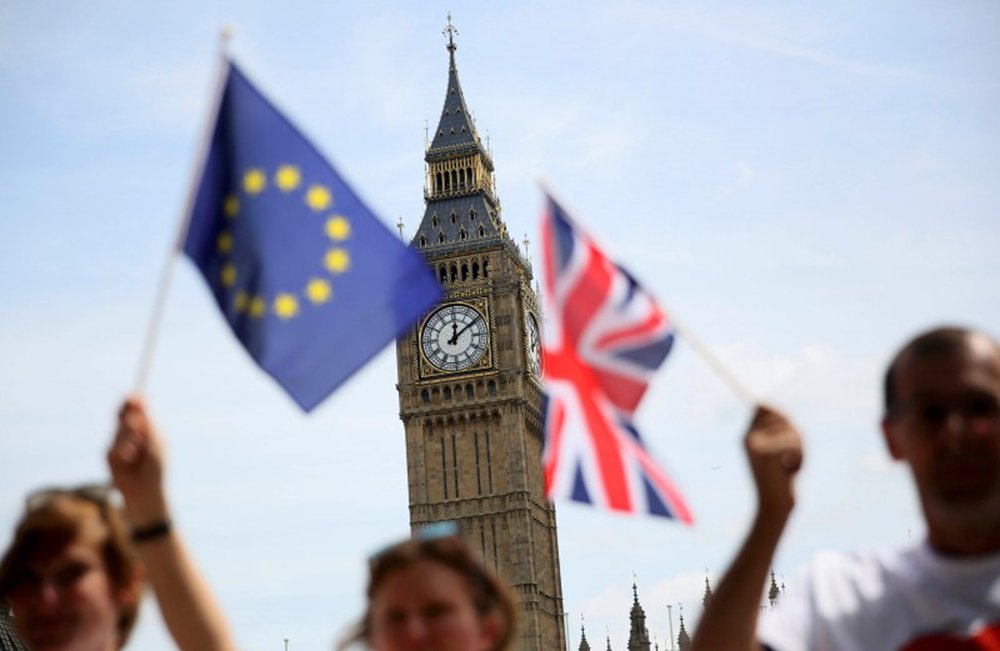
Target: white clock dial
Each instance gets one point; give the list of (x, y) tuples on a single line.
[(454, 337), (534, 346)]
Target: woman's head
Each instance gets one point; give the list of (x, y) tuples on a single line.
[(70, 574), (435, 594)]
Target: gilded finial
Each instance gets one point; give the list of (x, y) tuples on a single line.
[(450, 32)]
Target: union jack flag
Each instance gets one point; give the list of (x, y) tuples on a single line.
[(604, 338)]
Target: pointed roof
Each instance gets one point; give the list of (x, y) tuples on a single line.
[(584, 645), (638, 636), (708, 593), (455, 130), (683, 639), (773, 592)]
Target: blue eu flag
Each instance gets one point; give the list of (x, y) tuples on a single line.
[(312, 283)]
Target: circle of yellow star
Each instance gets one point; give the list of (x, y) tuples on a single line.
[(231, 206), (241, 301), (225, 242), (318, 291), (257, 307), (318, 197), (228, 275), (338, 228), (287, 178), (254, 181), (337, 260), (286, 306)]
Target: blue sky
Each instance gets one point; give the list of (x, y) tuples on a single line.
[(803, 186)]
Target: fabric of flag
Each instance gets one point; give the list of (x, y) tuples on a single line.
[(604, 337), (311, 281)]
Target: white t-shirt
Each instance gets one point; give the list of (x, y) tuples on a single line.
[(910, 599)]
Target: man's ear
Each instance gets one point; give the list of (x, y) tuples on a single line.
[(890, 433)]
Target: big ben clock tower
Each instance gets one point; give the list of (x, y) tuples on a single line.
[(469, 379)]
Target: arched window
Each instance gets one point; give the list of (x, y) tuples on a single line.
[(454, 179), (486, 267), (491, 388), (447, 393), (447, 181), (454, 273), (461, 178), (475, 270), (468, 391), (423, 241), (425, 396), (441, 238), (443, 272), (437, 182), (465, 267), (482, 232), (462, 236), (468, 175)]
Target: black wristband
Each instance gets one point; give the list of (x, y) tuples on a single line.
[(151, 531)]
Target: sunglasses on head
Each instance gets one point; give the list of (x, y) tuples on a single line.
[(99, 494)]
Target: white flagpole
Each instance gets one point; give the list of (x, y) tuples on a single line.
[(152, 331), (725, 374)]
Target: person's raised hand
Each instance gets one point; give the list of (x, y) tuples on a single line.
[(136, 460), (774, 450)]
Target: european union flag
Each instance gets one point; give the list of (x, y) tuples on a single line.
[(311, 281)]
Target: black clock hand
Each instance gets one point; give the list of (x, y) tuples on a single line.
[(454, 334), (454, 339)]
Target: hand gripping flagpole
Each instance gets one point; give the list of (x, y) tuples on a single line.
[(728, 378), (152, 332)]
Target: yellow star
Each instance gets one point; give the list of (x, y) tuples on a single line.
[(254, 181), (228, 275), (318, 291), (286, 306), (318, 197), (241, 301), (231, 206), (225, 242), (257, 307), (287, 178), (338, 228), (337, 260)]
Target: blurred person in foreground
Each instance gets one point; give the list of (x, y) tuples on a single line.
[(75, 571), (432, 593), (942, 418)]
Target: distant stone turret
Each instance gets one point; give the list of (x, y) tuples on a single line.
[(638, 637)]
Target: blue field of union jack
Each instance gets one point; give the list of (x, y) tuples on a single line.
[(604, 337)]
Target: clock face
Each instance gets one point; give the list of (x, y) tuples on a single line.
[(534, 346), (454, 337)]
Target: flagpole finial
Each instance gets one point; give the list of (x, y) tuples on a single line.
[(225, 36), (400, 225)]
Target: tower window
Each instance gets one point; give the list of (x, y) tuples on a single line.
[(475, 265), (443, 272), (453, 218), (447, 393), (461, 236), (454, 273), (461, 175), (491, 388), (468, 391), (423, 241), (454, 463), (425, 396), (444, 470), (489, 468), (486, 267), (482, 232), (441, 238), (479, 474), (434, 219), (465, 267)]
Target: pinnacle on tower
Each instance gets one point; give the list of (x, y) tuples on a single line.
[(708, 592), (773, 592), (638, 636), (683, 639), (584, 645)]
